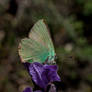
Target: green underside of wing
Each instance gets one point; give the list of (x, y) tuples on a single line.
[(38, 47), (32, 51)]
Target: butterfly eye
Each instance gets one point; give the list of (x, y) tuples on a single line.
[(55, 57)]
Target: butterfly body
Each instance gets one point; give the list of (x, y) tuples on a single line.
[(38, 47)]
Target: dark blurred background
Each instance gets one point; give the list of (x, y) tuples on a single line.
[(70, 24)]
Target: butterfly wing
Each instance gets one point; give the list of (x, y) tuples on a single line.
[(38, 47)]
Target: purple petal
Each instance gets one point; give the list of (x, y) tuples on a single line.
[(28, 89), (38, 91), (50, 72), (43, 74), (35, 70)]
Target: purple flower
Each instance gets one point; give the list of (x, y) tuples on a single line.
[(41, 74), (51, 89), (29, 89)]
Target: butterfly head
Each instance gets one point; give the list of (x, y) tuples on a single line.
[(51, 59)]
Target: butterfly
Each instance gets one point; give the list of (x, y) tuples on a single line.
[(38, 47)]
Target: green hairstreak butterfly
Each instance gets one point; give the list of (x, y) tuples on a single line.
[(38, 47)]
